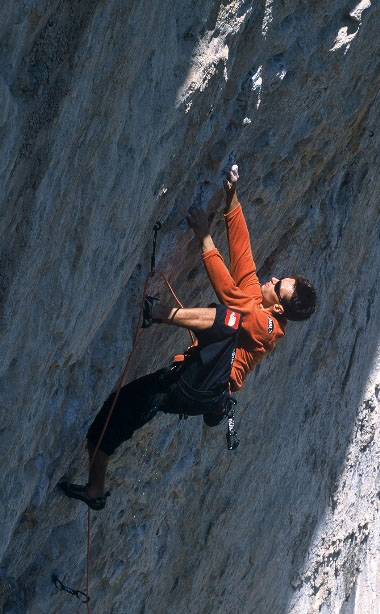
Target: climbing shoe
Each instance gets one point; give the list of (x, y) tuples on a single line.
[(213, 419), (148, 319), (76, 491)]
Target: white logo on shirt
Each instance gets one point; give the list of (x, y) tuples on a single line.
[(232, 319)]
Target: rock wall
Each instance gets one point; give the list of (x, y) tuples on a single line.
[(114, 115)]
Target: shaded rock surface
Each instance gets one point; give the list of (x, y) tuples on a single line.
[(114, 115)]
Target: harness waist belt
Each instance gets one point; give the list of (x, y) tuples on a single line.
[(200, 395)]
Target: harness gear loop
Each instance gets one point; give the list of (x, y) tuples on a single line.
[(156, 228), (61, 587), (231, 435)]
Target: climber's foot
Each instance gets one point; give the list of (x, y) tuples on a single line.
[(148, 320), (77, 491)]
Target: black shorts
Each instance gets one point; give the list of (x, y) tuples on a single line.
[(137, 404), (169, 389)]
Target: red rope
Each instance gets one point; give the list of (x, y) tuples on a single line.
[(119, 386)]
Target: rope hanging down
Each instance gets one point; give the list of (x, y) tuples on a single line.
[(151, 274), (231, 435)]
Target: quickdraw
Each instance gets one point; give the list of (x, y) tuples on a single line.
[(61, 587), (156, 228), (231, 435)]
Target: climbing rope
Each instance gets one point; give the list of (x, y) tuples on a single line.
[(232, 440), (150, 275)]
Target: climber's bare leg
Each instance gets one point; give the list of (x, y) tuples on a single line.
[(195, 318)]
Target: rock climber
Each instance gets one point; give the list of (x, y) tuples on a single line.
[(232, 338)]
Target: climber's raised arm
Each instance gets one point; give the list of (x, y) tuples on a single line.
[(199, 223), (225, 288), (242, 265)]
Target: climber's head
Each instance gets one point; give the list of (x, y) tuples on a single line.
[(292, 297)]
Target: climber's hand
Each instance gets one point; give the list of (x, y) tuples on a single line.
[(198, 222), (229, 184), (230, 181)]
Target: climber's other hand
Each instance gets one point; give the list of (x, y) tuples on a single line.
[(198, 221)]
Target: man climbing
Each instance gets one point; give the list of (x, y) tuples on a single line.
[(232, 338)]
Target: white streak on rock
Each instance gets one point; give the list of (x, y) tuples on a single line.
[(343, 39), (208, 54), (356, 13), (268, 16), (257, 82)]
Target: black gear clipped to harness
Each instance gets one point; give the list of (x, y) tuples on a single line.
[(61, 587), (231, 436), (156, 228)]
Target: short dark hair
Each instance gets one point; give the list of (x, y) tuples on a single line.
[(301, 305)]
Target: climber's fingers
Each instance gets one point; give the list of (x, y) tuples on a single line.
[(232, 176), (198, 221)]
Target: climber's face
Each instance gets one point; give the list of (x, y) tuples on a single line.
[(275, 290)]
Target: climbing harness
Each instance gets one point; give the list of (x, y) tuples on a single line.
[(61, 587), (231, 436)]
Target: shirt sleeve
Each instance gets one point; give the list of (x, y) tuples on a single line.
[(260, 324), (225, 288), (242, 265)]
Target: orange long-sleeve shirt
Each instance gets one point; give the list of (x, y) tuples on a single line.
[(239, 289)]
